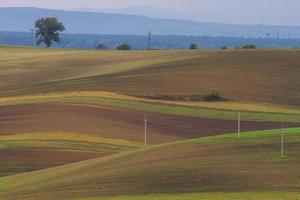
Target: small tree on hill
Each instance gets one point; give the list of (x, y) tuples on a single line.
[(193, 46), (48, 30), (123, 47)]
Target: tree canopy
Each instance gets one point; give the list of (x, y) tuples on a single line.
[(123, 47), (193, 46), (48, 30), (100, 46)]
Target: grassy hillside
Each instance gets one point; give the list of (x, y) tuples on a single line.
[(210, 165), (26, 69), (207, 196), (245, 75)]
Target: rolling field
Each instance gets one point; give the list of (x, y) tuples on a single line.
[(81, 131), (259, 74), (116, 123), (24, 69), (212, 110), (212, 165), (23, 152), (72, 125)]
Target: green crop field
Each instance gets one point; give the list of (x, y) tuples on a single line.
[(72, 125), (209, 165), (204, 196)]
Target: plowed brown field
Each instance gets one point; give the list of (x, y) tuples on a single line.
[(116, 123), (13, 161)]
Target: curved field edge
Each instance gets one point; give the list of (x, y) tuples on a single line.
[(69, 136), (206, 196), (24, 152), (250, 111), (20, 160), (67, 141), (46, 180)]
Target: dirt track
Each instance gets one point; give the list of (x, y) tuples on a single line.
[(116, 123)]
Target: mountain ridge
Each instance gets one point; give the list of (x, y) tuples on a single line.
[(22, 19)]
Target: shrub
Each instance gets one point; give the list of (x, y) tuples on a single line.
[(249, 46), (193, 46), (224, 48), (214, 96), (123, 47), (100, 47)]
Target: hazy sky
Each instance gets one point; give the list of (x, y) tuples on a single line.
[(277, 12)]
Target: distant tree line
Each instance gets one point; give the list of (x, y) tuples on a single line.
[(249, 46), (120, 47), (48, 31), (194, 46)]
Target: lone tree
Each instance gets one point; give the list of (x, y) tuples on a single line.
[(48, 30), (124, 47), (193, 46)]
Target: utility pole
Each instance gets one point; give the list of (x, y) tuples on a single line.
[(282, 142), (149, 40), (239, 124), (33, 36), (146, 121)]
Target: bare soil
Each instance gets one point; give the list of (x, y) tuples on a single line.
[(117, 122)]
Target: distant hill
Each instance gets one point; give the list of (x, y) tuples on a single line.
[(22, 20), (90, 41)]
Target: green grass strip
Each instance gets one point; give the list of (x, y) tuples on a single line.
[(207, 196)]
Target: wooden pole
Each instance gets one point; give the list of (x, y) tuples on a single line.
[(239, 124), (146, 130), (282, 142)]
